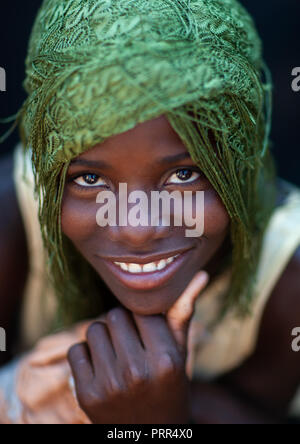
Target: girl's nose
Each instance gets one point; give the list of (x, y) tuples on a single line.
[(136, 237), (135, 226)]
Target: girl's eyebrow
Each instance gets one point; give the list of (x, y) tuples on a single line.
[(176, 158), (90, 163), (102, 164)]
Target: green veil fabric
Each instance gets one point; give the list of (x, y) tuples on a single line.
[(96, 68)]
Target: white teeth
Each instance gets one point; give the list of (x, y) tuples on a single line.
[(146, 268), (149, 267), (124, 266), (134, 268), (161, 264)]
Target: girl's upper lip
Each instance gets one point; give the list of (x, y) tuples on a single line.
[(144, 259)]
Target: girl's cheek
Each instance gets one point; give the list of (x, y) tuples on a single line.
[(78, 218), (216, 217)]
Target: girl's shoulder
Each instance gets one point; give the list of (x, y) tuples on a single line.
[(271, 372), (288, 284), (284, 302), (282, 311), (258, 349)]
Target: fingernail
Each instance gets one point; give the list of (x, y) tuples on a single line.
[(204, 276)]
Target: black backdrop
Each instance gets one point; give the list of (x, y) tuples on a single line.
[(277, 22)]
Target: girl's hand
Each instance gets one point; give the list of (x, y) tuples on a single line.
[(131, 370)]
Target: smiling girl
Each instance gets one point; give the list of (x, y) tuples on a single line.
[(152, 326)]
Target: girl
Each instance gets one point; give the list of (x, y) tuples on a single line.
[(163, 96)]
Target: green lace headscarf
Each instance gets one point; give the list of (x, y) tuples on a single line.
[(96, 68)]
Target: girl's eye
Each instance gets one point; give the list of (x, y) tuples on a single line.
[(184, 175), (90, 180)]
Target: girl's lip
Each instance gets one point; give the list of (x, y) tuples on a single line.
[(150, 280)]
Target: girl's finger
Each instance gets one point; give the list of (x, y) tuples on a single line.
[(152, 329), (125, 337), (101, 348), (79, 360), (180, 314)]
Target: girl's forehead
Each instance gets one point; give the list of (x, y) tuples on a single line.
[(153, 136)]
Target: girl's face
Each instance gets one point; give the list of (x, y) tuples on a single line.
[(149, 157)]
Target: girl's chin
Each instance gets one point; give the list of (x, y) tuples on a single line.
[(150, 304), (146, 312)]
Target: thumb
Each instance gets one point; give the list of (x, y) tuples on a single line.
[(179, 315)]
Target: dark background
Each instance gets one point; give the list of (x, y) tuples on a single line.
[(277, 22)]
